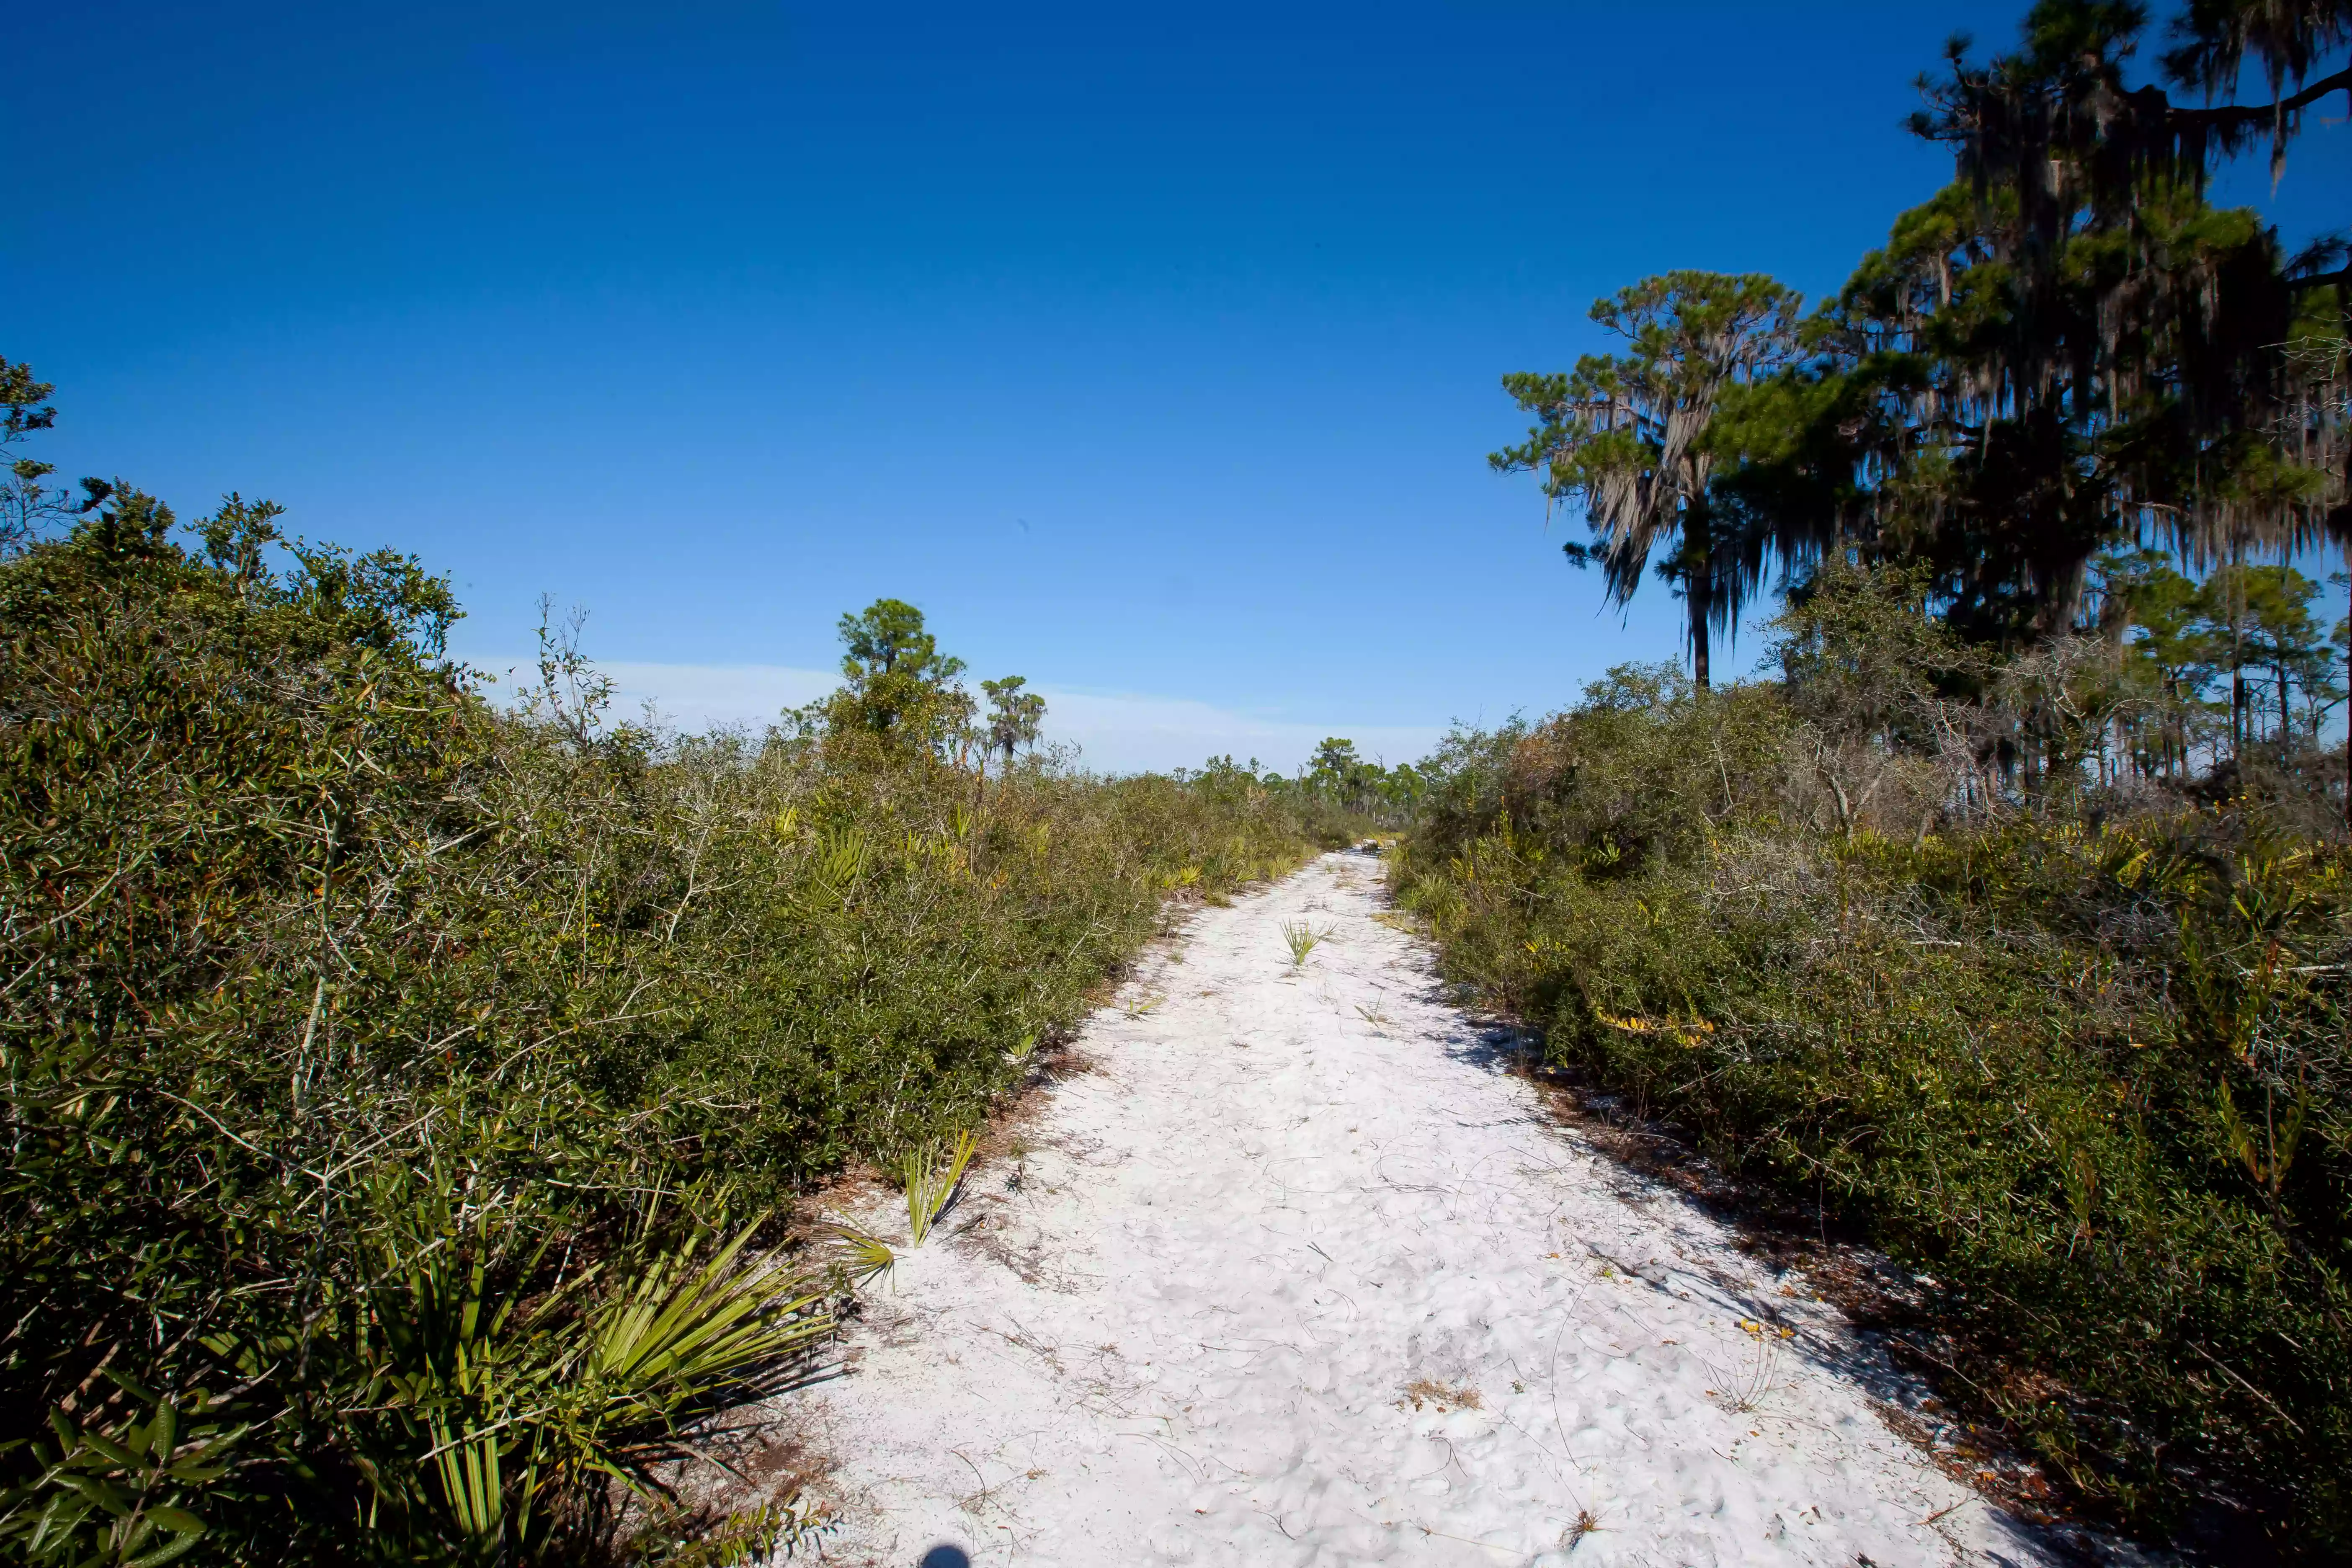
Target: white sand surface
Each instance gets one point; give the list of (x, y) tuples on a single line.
[(1300, 1274)]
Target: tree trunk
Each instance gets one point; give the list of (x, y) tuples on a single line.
[(1699, 583), (2237, 656), (2286, 718), (1698, 642)]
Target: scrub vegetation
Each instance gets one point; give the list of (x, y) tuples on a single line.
[(2079, 1054), (408, 1098), (404, 1094), (2003, 915)]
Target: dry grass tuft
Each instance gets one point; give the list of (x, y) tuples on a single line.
[(1429, 1391)]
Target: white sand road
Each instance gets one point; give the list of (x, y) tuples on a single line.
[(1298, 1274)]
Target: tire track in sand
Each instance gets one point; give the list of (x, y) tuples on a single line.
[(1299, 1275)]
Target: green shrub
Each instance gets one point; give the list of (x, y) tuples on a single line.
[(2091, 1075), (875, 964), (393, 1084)]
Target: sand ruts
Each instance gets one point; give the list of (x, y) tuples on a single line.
[(1298, 1274)]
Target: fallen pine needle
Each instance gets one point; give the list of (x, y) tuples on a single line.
[(1469, 1540)]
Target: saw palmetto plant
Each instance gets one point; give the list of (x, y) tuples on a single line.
[(1302, 939), (755, 1537), (865, 1256), (520, 1410), (841, 859), (931, 1178)]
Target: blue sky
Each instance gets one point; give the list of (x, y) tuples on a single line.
[(1152, 353)]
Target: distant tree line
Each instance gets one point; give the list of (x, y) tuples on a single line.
[(1335, 777)]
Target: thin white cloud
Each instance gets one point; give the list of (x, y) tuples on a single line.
[(696, 696), (1123, 732), (1115, 732)]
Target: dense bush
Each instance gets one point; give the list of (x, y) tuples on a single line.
[(2080, 1055), (372, 1053)]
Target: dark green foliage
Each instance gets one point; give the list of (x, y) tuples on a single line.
[(882, 944), (2012, 923), (368, 1050), (1338, 777), (1013, 715), (2236, 664), (1626, 435), (2068, 349), (901, 688), (1336, 799), (25, 500), (2088, 1069)]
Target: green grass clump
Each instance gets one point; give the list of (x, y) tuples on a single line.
[(2087, 1072)]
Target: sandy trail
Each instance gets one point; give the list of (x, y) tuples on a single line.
[(1299, 1275)]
